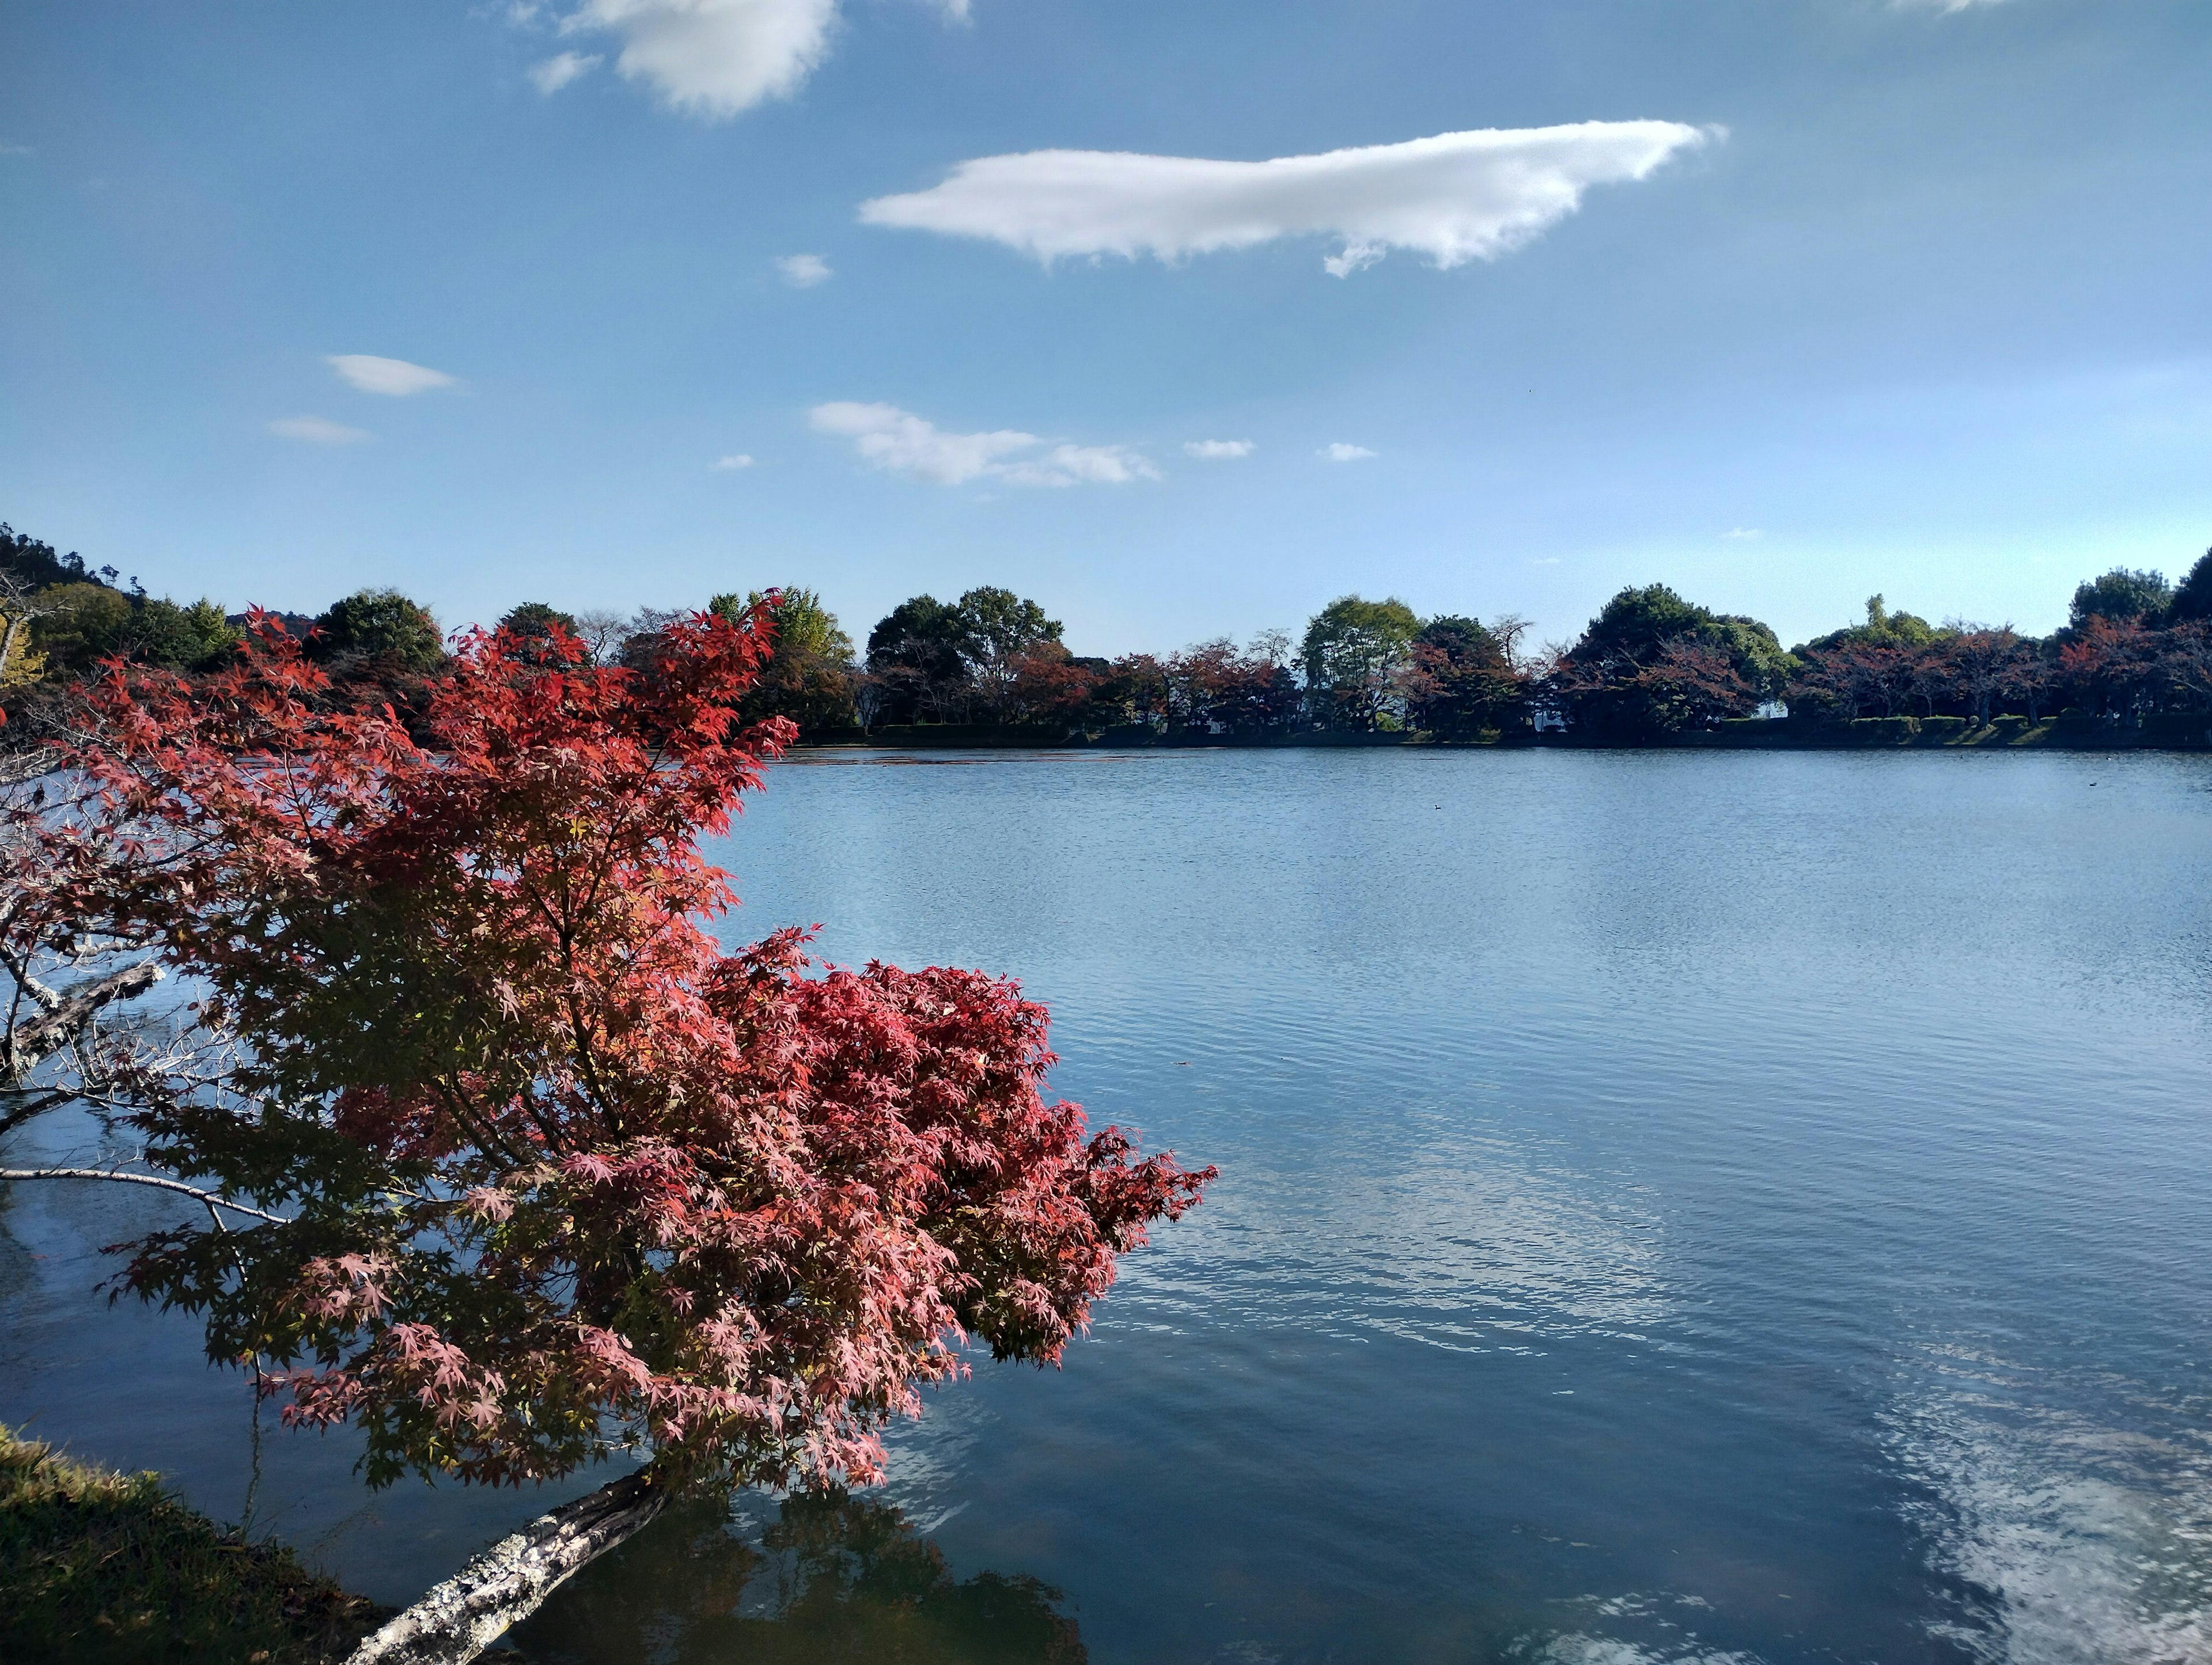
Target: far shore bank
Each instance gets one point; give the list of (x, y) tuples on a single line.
[(2190, 731)]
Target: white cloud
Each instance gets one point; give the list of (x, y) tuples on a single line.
[(1217, 451), (714, 57), (1341, 452), (894, 438), (804, 271), (394, 378), (1080, 464), (903, 443), (317, 430), (1743, 534), (557, 71), (1455, 197), (736, 459)]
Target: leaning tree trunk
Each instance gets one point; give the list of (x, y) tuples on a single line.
[(459, 1619)]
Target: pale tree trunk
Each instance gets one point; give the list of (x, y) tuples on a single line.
[(459, 1619)]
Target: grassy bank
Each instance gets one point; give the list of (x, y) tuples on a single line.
[(97, 1567)]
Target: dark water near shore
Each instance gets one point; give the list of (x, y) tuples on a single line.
[(1673, 1207)]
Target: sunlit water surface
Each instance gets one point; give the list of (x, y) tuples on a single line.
[(1746, 1207)]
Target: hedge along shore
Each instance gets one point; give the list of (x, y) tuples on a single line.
[(102, 1568)]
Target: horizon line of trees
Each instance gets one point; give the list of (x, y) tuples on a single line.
[(1650, 664)]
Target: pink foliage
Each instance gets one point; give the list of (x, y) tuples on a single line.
[(563, 1177)]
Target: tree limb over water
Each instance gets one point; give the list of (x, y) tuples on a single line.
[(457, 1621)]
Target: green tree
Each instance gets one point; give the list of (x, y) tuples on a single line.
[(1651, 663), (947, 662), (1354, 652), (382, 625), (536, 618), (1000, 632), (78, 623), (2124, 598), (809, 675), (1882, 628), (194, 638), (916, 667), (2192, 597)]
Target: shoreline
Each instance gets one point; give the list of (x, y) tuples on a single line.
[(2179, 733)]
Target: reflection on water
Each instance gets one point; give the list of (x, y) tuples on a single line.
[(1440, 1237), (832, 1578), (2072, 1541)]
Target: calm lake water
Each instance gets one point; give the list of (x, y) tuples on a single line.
[(1743, 1207)]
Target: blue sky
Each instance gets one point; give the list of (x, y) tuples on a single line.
[(1833, 297)]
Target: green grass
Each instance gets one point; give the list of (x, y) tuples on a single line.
[(98, 1567)]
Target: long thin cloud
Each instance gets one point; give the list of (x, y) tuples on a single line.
[(1454, 197), (394, 378), (900, 443)]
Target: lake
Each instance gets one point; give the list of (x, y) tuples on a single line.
[(1673, 1206)]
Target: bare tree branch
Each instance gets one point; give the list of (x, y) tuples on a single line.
[(212, 1199)]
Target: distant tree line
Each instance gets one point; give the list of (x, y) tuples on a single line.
[(1652, 665)]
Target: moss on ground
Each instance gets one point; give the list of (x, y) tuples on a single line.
[(98, 1568)]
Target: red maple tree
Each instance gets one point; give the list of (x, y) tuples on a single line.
[(545, 1175)]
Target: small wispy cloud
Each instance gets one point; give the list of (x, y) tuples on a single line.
[(1341, 452), (1943, 5), (804, 271), (736, 459), (1743, 534), (1454, 196), (394, 378), (1081, 464), (317, 430), (1217, 451), (15, 150), (710, 58), (900, 443), (713, 58), (553, 74)]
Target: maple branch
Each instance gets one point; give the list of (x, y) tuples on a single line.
[(212, 1199), (478, 1126)]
